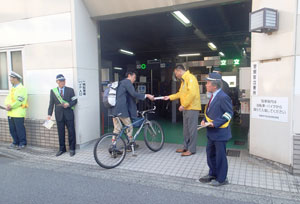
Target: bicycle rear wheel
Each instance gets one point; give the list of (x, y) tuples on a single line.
[(154, 136), (107, 154)]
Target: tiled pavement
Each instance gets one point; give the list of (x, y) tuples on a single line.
[(243, 170)]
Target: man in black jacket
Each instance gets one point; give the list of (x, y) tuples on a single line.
[(126, 106), (64, 100)]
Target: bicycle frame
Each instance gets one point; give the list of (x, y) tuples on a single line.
[(145, 121)]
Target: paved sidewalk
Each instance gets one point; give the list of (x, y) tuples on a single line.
[(243, 170)]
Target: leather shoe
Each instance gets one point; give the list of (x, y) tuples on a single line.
[(72, 153), (187, 153), (180, 150), (59, 153), (207, 179)]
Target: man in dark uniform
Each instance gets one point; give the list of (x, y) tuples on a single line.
[(218, 114), (64, 100), (225, 86)]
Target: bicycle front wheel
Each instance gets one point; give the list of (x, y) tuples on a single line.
[(154, 136), (108, 154)]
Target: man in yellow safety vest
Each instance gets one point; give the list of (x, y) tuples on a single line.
[(16, 106)]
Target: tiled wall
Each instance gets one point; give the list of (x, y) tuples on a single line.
[(296, 165), (37, 135)]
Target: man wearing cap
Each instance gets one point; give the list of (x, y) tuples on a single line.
[(225, 86), (16, 106), (218, 113), (64, 99), (189, 96)]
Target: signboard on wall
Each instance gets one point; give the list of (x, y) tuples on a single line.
[(270, 108), (81, 88), (254, 79)]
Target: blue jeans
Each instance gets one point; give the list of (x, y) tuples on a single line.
[(17, 130)]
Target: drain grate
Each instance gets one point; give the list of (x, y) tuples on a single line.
[(241, 143), (233, 153)]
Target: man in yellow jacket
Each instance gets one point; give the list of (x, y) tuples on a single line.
[(16, 105), (189, 96)]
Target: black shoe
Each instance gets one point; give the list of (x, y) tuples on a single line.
[(207, 179), (72, 153), (128, 146), (59, 153), (115, 150), (217, 183)]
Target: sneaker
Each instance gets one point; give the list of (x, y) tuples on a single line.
[(12, 146), (21, 147), (128, 146), (207, 179), (217, 183)]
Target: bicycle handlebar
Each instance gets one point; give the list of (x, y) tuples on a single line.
[(148, 111)]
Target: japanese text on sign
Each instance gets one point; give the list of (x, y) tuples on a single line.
[(81, 88), (270, 108)]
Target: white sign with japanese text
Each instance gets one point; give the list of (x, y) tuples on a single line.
[(81, 88), (270, 108)]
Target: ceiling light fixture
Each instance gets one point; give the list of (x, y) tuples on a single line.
[(118, 68), (126, 52), (221, 54), (212, 46), (181, 18), (189, 55)]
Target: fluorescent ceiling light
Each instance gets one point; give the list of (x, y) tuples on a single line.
[(212, 46), (189, 55), (181, 18), (126, 52), (118, 68), (221, 54)]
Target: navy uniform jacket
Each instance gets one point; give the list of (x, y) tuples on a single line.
[(219, 106), (126, 95), (60, 111)]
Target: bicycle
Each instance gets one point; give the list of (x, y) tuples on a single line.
[(110, 149)]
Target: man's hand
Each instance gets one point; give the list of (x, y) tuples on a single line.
[(202, 123), (150, 97), (181, 108), (211, 124), (166, 98), (66, 105), (49, 117), (8, 107)]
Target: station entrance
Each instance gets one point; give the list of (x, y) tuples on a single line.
[(201, 39)]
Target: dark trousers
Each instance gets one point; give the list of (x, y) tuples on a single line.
[(17, 130), (216, 159), (61, 133)]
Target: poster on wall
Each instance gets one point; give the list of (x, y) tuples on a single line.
[(81, 88), (270, 108), (254, 79)]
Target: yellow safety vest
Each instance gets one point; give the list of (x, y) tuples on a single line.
[(17, 99), (225, 125)]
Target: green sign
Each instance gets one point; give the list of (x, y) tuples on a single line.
[(143, 66), (230, 62), (223, 63), (236, 62)]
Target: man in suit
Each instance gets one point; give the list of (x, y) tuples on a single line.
[(218, 114), (125, 107), (190, 105), (225, 86), (64, 99)]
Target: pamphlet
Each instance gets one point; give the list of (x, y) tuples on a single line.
[(48, 124)]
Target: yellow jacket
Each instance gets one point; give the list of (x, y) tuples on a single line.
[(17, 99), (188, 93)]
